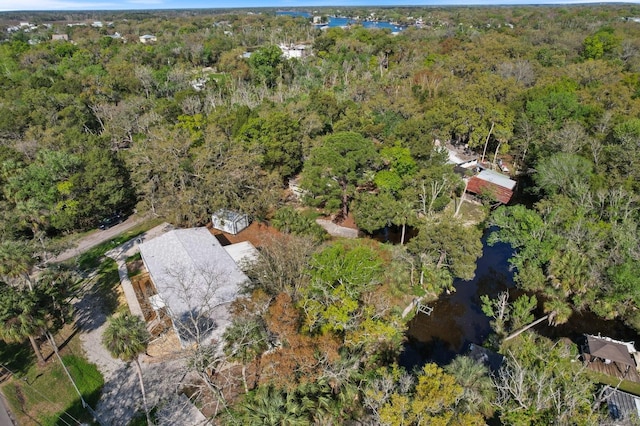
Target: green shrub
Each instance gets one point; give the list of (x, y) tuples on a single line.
[(291, 221)]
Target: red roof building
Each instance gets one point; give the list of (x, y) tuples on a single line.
[(492, 184)]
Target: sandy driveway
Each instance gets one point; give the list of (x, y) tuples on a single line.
[(121, 396), (97, 237)]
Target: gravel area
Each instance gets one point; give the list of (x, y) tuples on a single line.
[(121, 396)]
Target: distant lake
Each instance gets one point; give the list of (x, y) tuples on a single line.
[(344, 21)]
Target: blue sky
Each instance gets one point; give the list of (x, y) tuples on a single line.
[(6, 5)]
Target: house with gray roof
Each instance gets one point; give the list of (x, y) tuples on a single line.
[(195, 278), (624, 408)]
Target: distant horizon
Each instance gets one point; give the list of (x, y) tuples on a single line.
[(151, 5)]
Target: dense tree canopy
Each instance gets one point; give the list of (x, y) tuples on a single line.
[(212, 115)]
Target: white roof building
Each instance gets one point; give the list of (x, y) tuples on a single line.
[(148, 38), (294, 51), (497, 178), (195, 278)]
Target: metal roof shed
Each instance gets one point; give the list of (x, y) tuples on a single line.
[(229, 221), (194, 275), (492, 183)]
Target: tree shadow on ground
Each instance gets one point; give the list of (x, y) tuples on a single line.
[(100, 298), (17, 357), (77, 412)]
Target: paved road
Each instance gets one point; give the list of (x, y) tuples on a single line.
[(5, 419), (97, 237)]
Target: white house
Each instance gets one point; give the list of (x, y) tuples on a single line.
[(148, 38), (295, 50), (196, 279)]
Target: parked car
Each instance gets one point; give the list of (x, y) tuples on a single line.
[(110, 221)]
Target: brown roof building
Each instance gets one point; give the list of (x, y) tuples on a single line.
[(609, 350)]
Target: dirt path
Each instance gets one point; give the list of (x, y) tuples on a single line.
[(97, 237)]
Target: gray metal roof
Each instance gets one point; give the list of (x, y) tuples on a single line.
[(622, 405), (228, 215), (497, 178), (192, 273)]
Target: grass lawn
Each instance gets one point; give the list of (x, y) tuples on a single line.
[(91, 259), (44, 395), (626, 385)]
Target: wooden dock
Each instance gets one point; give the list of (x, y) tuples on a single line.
[(421, 308), (625, 372)]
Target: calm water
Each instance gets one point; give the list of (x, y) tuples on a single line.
[(457, 320), (343, 21)]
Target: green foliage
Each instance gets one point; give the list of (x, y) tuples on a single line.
[(277, 138), (22, 313), (522, 311), (194, 124), (265, 63), (126, 337), (431, 400), (245, 339), (355, 266), (603, 43), (336, 167), (478, 391), (306, 405), (374, 211), (551, 107), (291, 221), (68, 191), (551, 388), (27, 311), (567, 174), (626, 281), (445, 250), (343, 276)]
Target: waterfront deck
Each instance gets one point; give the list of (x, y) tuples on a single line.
[(614, 369)]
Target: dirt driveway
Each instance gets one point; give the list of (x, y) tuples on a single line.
[(97, 237)]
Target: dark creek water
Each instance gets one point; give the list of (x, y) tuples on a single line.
[(457, 320)]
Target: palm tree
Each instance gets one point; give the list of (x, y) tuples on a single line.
[(474, 378), (126, 337), (16, 260), (21, 316), (245, 341), (270, 406)]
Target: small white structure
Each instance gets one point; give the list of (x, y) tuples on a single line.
[(229, 221), (59, 37), (148, 38), (242, 253), (294, 51)]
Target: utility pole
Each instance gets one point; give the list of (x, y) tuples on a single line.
[(84, 403)]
